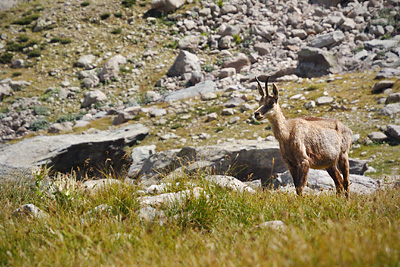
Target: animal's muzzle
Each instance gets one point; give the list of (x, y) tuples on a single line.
[(258, 116)]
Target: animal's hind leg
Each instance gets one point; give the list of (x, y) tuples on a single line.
[(344, 168), (337, 178)]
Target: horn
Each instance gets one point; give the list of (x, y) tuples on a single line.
[(266, 84), (260, 90)]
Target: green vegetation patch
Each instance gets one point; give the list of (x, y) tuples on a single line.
[(39, 124), (6, 58), (128, 3), (26, 20)]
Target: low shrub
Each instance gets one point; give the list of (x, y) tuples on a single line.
[(26, 20), (39, 124), (34, 53), (116, 31), (40, 110), (6, 58), (85, 3), (128, 3), (105, 16)]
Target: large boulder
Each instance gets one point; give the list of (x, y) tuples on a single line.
[(67, 152), (242, 159), (165, 6), (193, 91), (315, 62), (186, 62)]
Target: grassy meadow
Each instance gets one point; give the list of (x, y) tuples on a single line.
[(217, 229)]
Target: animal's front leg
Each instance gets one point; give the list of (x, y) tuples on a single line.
[(299, 173)]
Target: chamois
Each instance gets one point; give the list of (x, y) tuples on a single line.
[(308, 142)]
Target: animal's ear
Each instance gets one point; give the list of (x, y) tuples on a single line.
[(275, 90), (260, 90)]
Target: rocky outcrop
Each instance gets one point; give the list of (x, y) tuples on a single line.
[(67, 152), (242, 159), (316, 62)]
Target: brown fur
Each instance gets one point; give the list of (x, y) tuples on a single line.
[(308, 142)]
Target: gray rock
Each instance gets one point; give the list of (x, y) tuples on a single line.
[(65, 152), (196, 77), (239, 62), (31, 211), (61, 127), (228, 8), (393, 131), (327, 40), (193, 91), (212, 116), (348, 24), (230, 182), (86, 61), (5, 90), (228, 30), (209, 96), (381, 44), (310, 104), (320, 180), (265, 31), (171, 198), (227, 112), (127, 114), (91, 81), (263, 48), (18, 63), (111, 68), (302, 34), (41, 25), (157, 112), (186, 62), (358, 166), (226, 72), (190, 42), (7, 4), (139, 155), (272, 225), (225, 42), (242, 159), (387, 73), (377, 136), (324, 100), (18, 85), (316, 62), (92, 97), (234, 102), (390, 109), (380, 86), (165, 6)]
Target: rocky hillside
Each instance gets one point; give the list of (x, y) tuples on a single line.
[(186, 70)]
